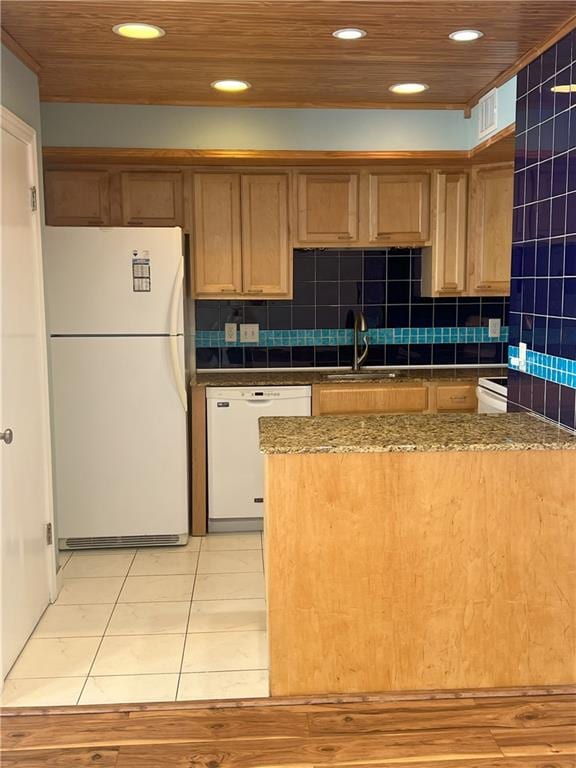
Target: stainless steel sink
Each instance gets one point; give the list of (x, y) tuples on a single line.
[(364, 375)]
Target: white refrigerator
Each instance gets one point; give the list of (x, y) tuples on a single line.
[(114, 305)]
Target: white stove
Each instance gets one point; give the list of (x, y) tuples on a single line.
[(492, 394)]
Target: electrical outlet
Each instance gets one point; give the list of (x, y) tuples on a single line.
[(249, 333), (230, 332), (494, 327), (522, 356)]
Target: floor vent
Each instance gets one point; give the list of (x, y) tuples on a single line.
[(105, 542)]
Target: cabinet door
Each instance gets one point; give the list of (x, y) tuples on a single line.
[(151, 199), (77, 198), (217, 235), (490, 230), (327, 208), (399, 208), (444, 265), (456, 397), (266, 253), (368, 398)]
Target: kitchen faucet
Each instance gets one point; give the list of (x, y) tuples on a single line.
[(360, 327)]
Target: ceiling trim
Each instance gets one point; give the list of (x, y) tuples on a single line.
[(20, 52), (529, 56), (246, 104)]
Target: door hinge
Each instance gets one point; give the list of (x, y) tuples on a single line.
[(33, 199), (48, 533)]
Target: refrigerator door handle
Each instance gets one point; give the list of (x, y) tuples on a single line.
[(174, 351)]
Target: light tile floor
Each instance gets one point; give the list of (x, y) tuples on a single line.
[(152, 624)]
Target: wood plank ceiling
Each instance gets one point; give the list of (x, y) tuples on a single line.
[(283, 47)]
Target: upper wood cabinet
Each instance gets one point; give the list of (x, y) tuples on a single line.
[(327, 208), (241, 235), (399, 208), (217, 234), (151, 199), (266, 253), (446, 272), (77, 198), (490, 230)]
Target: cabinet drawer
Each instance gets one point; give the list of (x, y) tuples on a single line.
[(350, 398), (456, 398)]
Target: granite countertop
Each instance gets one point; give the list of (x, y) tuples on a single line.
[(410, 433), (231, 378)]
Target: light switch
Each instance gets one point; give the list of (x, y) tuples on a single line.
[(522, 356), (249, 333), (494, 327), (230, 332)]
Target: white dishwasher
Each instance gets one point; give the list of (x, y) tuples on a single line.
[(235, 464)]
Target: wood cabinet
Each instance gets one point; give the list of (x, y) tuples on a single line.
[(151, 199), (456, 397), (446, 272), (399, 208), (368, 398), (266, 253), (241, 235), (471, 233), (327, 208), (77, 198), (217, 234), (490, 230)]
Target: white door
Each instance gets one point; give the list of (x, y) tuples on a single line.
[(28, 572), (119, 437), (89, 280)]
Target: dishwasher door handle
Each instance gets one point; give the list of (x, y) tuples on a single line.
[(258, 401)]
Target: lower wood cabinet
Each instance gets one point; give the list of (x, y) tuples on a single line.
[(151, 199), (77, 198), (371, 397), (455, 397), (368, 398)]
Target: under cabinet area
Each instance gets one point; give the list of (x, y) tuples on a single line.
[(241, 241)]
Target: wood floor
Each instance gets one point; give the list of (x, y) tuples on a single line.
[(490, 732)]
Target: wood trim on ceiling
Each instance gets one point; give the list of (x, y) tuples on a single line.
[(508, 73), (20, 52)]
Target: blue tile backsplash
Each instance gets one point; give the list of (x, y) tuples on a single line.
[(543, 286), (314, 329)]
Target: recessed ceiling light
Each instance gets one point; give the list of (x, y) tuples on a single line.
[(138, 30), (349, 33), (465, 35), (231, 86), (568, 88), (406, 88)]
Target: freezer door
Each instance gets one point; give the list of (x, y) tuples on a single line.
[(120, 454), (235, 464), (94, 282)]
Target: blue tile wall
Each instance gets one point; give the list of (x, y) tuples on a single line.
[(543, 287), (314, 329)]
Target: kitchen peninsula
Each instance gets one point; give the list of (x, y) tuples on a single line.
[(419, 551)]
